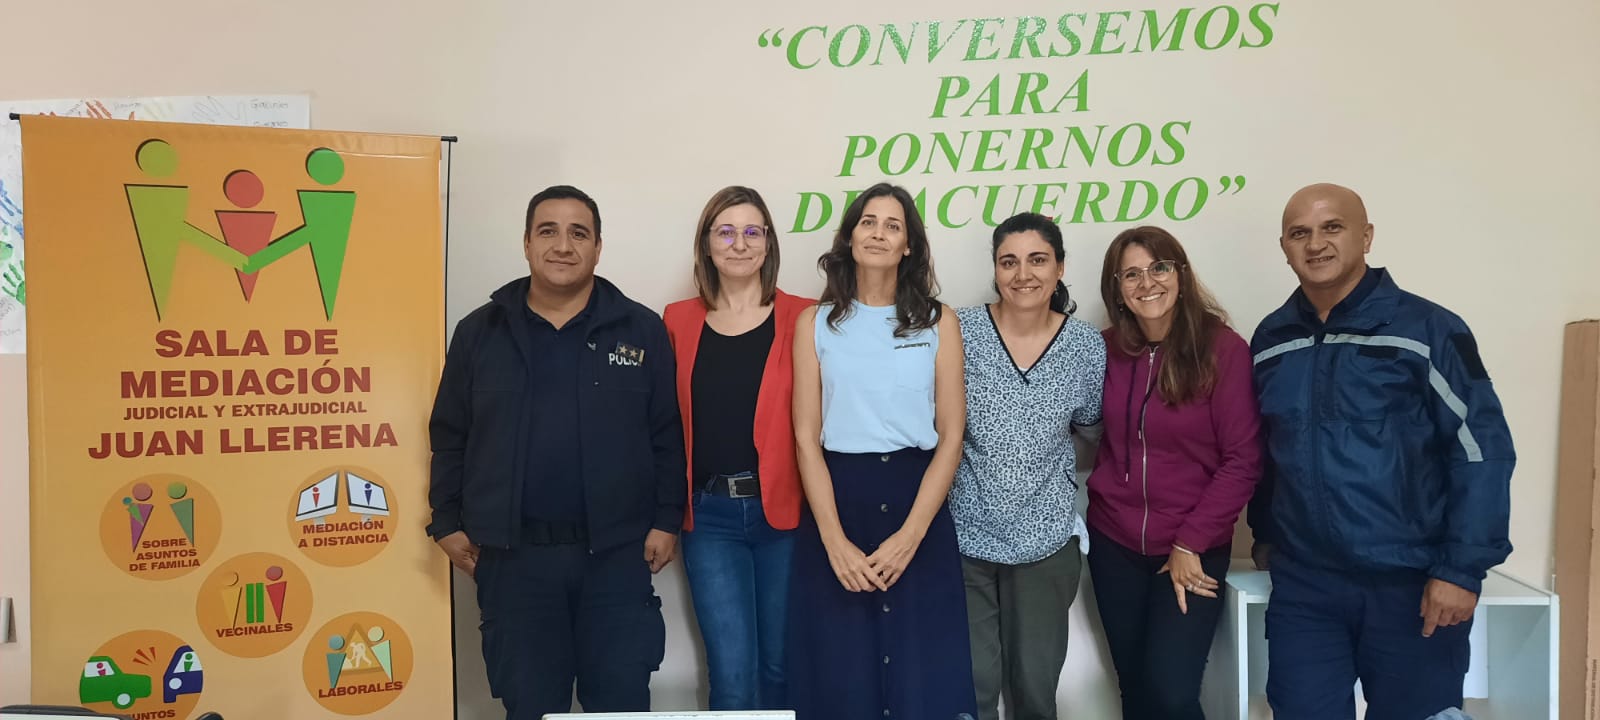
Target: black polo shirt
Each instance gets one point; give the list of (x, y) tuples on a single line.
[(552, 482)]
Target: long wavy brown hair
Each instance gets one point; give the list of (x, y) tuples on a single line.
[(916, 288), (1190, 368)]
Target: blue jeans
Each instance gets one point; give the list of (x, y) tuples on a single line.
[(738, 570)]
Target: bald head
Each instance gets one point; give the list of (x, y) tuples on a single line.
[(1344, 201), (1326, 238)]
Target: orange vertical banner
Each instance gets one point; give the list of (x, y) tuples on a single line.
[(233, 339)]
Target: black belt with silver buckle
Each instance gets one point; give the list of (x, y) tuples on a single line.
[(540, 532), (738, 485)]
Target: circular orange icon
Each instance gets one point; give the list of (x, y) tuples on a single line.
[(342, 516), (159, 527), (254, 605), (144, 673), (357, 663)]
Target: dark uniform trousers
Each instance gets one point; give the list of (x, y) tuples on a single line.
[(553, 612)]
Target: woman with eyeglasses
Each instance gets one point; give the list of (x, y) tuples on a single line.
[(878, 616), (734, 349), (1178, 460), (1033, 375)]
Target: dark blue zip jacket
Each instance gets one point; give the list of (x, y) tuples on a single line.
[(628, 424), (1387, 449)]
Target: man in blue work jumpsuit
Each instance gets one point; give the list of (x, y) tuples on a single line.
[(1386, 496), (557, 474)]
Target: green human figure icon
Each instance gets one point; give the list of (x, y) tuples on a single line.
[(183, 508), (328, 215), (381, 650), (160, 219)]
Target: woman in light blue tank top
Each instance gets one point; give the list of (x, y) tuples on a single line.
[(877, 612)]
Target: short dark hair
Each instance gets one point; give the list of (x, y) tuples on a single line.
[(562, 192), (1060, 299)]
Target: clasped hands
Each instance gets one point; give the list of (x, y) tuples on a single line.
[(860, 572)]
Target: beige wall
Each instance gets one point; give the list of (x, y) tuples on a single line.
[(1468, 127), (14, 524)]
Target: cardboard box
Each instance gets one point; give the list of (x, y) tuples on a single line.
[(1577, 516)]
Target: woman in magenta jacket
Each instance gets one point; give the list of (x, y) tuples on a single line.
[(1179, 459)]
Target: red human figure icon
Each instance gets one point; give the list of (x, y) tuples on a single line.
[(247, 231), (277, 590)]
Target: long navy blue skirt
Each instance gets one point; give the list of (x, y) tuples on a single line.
[(903, 653)]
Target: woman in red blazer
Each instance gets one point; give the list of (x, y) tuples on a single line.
[(735, 346)]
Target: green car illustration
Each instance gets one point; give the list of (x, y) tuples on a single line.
[(103, 681)]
